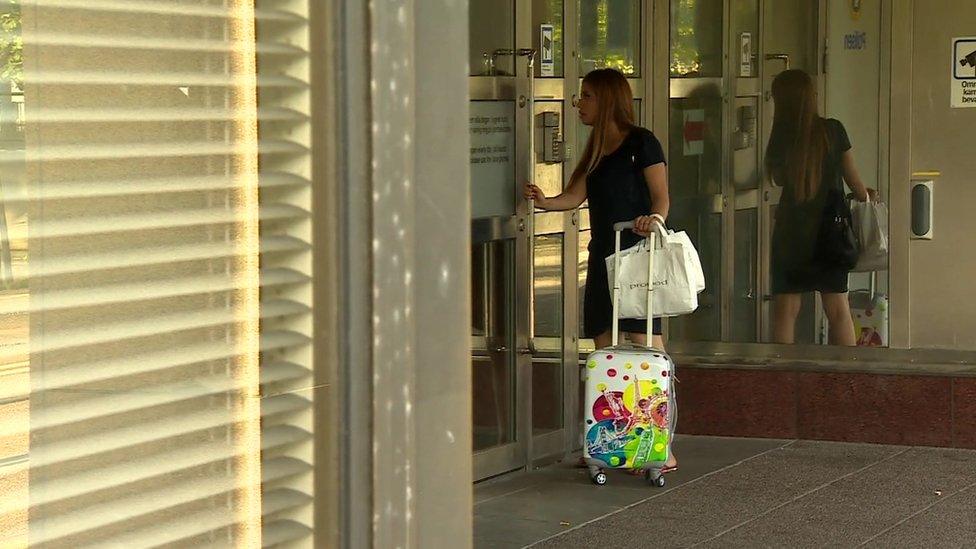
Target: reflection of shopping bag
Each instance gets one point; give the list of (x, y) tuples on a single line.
[(675, 278), (870, 318), (871, 225)]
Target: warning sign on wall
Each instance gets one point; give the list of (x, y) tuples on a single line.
[(963, 72), (548, 55), (694, 132)]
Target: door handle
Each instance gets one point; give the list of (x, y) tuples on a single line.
[(784, 57), (528, 53), (530, 350)]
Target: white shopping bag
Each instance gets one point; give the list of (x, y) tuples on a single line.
[(675, 290), (694, 261), (871, 226)]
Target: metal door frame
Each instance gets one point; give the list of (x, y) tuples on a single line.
[(512, 455), (522, 89)]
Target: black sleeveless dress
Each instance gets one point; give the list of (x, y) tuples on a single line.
[(616, 191), (793, 265)]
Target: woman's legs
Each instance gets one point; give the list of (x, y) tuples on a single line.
[(641, 339), (838, 311), (603, 340), (786, 307)]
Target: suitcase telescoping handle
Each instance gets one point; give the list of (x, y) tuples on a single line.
[(619, 228)]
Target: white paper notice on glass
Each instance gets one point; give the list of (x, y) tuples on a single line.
[(963, 77), (547, 54), (492, 127), (745, 55)]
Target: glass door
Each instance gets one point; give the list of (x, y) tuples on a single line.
[(724, 55), (746, 174), (523, 126), (499, 118), (516, 125), (697, 156), (791, 39)]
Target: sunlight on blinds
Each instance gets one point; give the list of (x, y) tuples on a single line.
[(155, 273)]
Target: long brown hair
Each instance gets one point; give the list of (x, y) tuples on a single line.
[(798, 142), (615, 103)]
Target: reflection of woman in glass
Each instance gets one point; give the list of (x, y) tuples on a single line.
[(808, 156), (622, 174)]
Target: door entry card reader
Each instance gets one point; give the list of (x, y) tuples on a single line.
[(922, 209), (745, 135), (551, 148)]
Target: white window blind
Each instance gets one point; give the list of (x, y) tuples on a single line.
[(156, 288)]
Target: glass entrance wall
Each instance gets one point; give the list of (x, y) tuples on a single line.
[(723, 56), (697, 155), (695, 163), (746, 175), (723, 59), (524, 356), (568, 41), (852, 86), (609, 33), (492, 27), (492, 271), (790, 39), (696, 38), (547, 367)]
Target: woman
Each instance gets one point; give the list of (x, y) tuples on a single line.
[(623, 175), (810, 157)]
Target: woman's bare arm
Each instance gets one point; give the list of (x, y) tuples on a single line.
[(569, 199), (656, 177), (853, 178)]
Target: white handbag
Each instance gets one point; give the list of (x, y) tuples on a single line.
[(871, 226), (676, 273)]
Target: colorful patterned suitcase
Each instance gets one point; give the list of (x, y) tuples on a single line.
[(870, 318), (630, 403)]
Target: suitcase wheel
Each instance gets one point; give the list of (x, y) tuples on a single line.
[(654, 478), (599, 478)]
